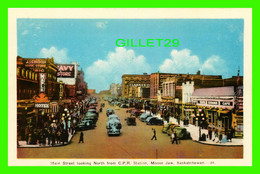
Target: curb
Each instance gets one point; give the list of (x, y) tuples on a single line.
[(217, 144)]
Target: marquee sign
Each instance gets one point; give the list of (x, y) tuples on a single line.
[(65, 71)]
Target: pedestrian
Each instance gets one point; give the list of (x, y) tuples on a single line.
[(53, 139), (229, 136), (220, 137), (210, 133), (81, 137), (27, 138), (154, 134), (172, 138), (175, 139), (215, 135)]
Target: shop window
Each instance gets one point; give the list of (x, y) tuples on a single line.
[(18, 71), (210, 116), (26, 74), (240, 127), (22, 72)]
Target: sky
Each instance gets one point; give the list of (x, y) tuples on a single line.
[(213, 46)]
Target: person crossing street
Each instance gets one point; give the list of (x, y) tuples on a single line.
[(154, 134)]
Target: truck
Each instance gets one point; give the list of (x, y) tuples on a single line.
[(113, 126)]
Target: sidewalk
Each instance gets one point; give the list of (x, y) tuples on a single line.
[(22, 144), (194, 132)]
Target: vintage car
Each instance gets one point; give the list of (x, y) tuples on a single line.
[(113, 127), (166, 127), (154, 121), (85, 124), (182, 133), (131, 121), (91, 116), (123, 106), (136, 112), (144, 116), (110, 111), (113, 116)]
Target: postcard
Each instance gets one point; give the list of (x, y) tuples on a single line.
[(130, 87)]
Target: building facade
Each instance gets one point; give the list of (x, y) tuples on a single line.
[(131, 82)]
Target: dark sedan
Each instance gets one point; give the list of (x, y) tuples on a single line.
[(154, 121)]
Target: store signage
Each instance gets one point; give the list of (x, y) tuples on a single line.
[(223, 103), (38, 65), (42, 82), (200, 101), (42, 105), (66, 71), (140, 85), (212, 102)]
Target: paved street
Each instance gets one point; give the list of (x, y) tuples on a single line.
[(134, 143)]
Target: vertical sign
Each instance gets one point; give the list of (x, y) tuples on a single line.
[(42, 82)]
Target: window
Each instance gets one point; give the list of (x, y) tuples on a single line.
[(35, 76), (26, 74), (22, 72), (30, 75), (210, 116), (18, 71), (239, 127)]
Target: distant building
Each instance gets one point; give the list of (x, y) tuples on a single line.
[(115, 89), (91, 91), (131, 83)]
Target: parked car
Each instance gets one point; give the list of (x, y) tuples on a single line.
[(110, 111), (123, 106), (144, 116), (154, 121), (85, 124), (182, 133), (166, 127), (131, 121), (91, 116), (171, 129), (136, 112)]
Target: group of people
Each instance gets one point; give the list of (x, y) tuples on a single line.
[(218, 137), (47, 136)]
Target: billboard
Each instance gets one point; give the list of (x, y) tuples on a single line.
[(65, 71)]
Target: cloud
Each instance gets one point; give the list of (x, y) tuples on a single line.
[(180, 62), (214, 65), (184, 62), (25, 32), (102, 73), (60, 56), (102, 25)]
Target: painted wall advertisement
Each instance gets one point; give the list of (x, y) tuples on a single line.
[(65, 71)]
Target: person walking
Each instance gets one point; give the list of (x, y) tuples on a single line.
[(172, 138), (210, 133), (154, 134), (175, 138), (81, 137)]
